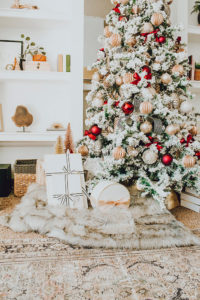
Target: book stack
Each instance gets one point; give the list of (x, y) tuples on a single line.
[(190, 199)]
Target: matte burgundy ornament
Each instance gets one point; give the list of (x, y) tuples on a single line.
[(128, 108), (167, 159)]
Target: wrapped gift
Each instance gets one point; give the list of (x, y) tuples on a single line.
[(65, 180), (108, 194)]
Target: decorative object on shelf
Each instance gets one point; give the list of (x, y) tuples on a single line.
[(69, 142), (17, 5), (197, 71), (65, 180), (56, 127), (22, 117), (189, 161), (83, 150), (196, 9), (108, 194), (149, 157), (1, 118), (24, 175), (16, 65), (59, 148), (119, 153), (68, 63), (60, 63), (31, 48), (36, 66), (172, 200), (9, 49), (40, 172), (5, 180)]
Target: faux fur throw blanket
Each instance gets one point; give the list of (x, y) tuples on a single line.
[(143, 226)]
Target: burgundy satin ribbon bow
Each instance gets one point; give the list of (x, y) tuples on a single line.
[(188, 141), (116, 9), (147, 33), (158, 146), (91, 136), (197, 154)]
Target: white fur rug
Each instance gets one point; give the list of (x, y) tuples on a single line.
[(143, 226)]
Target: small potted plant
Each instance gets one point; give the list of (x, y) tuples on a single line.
[(37, 53), (197, 71), (196, 9)]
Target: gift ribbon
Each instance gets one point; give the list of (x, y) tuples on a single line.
[(147, 33), (120, 202), (197, 154), (90, 135), (158, 146), (188, 141)]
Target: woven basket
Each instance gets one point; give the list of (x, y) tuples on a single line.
[(24, 175), (197, 74)]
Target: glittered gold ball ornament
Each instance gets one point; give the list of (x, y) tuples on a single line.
[(146, 107), (186, 107), (119, 80), (132, 151), (189, 161), (124, 2), (175, 101), (128, 78), (146, 127), (178, 69), (152, 91), (149, 157), (98, 102), (172, 129), (146, 28), (193, 130), (96, 77), (135, 9), (157, 19), (131, 41), (107, 32), (115, 40), (166, 78), (106, 82), (83, 150), (119, 153)]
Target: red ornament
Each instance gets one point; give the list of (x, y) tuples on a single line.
[(95, 130), (122, 18), (146, 69), (128, 108), (178, 39), (116, 103), (197, 154), (161, 39), (167, 159), (105, 102)]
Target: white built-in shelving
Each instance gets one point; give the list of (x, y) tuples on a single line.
[(37, 75), (194, 30), (38, 137)]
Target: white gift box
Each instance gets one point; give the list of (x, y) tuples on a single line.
[(65, 180)]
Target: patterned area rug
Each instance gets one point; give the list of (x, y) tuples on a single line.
[(35, 267)]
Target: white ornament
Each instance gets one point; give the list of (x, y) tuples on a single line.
[(186, 107), (149, 157), (98, 102), (146, 28)]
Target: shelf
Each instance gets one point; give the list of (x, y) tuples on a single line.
[(193, 30), (30, 137), (25, 14), (195, 85), (37, 75)]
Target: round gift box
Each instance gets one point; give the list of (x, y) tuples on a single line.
[(108, 194)]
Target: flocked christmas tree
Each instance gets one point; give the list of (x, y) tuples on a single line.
[(140, 117)]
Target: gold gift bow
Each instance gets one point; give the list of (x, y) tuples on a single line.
[(120, 202)]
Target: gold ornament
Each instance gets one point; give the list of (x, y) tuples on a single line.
[(132, 151), (166, 78), (115, 40), (152, 91), (135, 9), (172, 129), (96, 77), (119, 80), (157, 88), (149, 157), (98, 102), (146, 28), (131, 41), (146, 107), (83, 150), (106, 82), (193, 130), (157, 19), (178, 69), (119, 153), (146, 127), (128, 78), (189, 161), (175, 101), (124, 2), (172, 200), (107, 32)]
